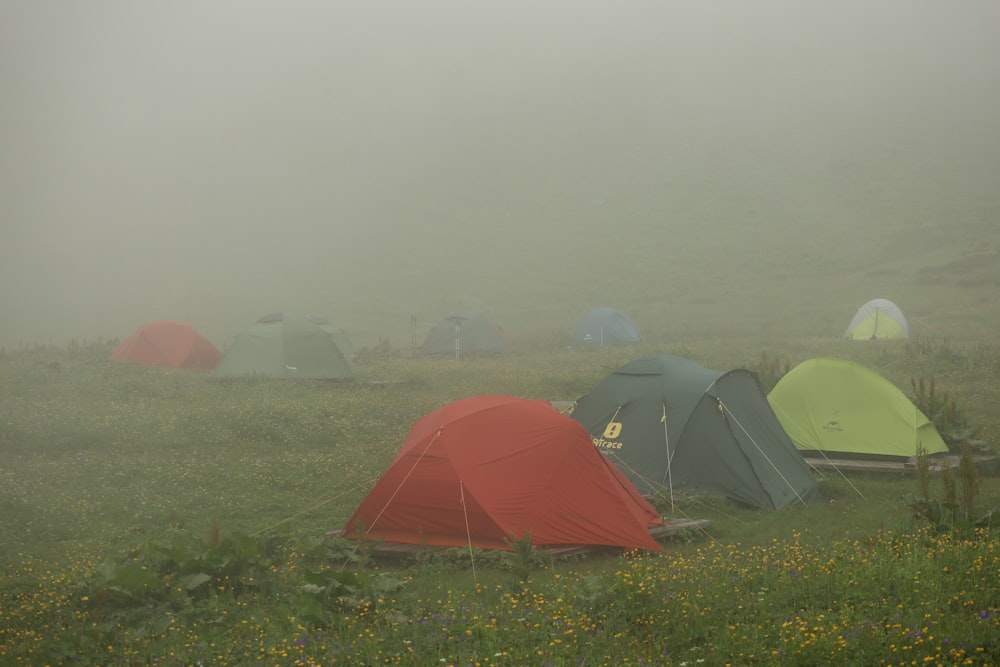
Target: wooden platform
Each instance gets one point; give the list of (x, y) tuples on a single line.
[(565, 407), (673, 526), (936, 464)]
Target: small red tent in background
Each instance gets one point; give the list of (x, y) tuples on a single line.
[(489, 468), (168, 343)]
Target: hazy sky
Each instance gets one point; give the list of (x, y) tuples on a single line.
[(161, 159)]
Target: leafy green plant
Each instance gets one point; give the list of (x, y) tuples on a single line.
[(327, 591), (357, 550), (524, 555), (956, 507), (942, 410), (970, 482), (131, 580), (180, 567)]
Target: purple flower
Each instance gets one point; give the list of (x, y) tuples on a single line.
[(984, 614)]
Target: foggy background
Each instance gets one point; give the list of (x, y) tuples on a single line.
[(364, 161)]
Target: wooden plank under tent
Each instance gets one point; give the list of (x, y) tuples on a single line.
[(908, 466)]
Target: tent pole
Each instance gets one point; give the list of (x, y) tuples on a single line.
[(724, 411), (413, 336), (406, 477), (468, 534), (666, 442)]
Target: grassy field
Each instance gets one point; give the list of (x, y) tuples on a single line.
[(157, 517), (732, 178)]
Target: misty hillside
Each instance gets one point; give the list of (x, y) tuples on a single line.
[(718, 169)]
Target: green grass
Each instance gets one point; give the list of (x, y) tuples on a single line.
[(156, 517)]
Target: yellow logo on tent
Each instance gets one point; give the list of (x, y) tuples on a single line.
[(607, 440)]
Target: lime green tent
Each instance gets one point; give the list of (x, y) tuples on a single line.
[(879, 318), (845, 410), (284, 346), (671, 424)]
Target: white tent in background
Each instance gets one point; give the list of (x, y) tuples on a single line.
[(879, 318)]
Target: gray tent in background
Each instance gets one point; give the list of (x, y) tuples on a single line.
[(465, 332), (605, 326)]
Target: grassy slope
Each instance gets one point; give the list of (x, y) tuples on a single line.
[(97, 459), (98, 456)]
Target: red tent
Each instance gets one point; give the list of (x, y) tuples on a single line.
[(486, 468), (168, 343)]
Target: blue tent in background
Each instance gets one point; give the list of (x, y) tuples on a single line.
[(605, 326)]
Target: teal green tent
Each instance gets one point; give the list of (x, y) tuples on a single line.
[(340, 338), (878, 318), (465, 332), (669, 423), (845, 410), (605, 326), (284, 346)]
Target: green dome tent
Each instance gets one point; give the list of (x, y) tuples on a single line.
[(465, 332), (669, 423), (284, 346), (340, 338), (605, 326), (841, 408), (879, 318)]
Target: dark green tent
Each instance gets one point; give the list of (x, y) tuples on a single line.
[(284, 346), (465, 332), (671, 424)]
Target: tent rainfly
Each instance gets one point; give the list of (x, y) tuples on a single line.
[(284, 346), (670, 423), (168, 343), (841, 409), (488, 469), (465, 332), (605, 326), (879, 318), (340, 338)]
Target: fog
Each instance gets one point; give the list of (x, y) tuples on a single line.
[(215, 161)]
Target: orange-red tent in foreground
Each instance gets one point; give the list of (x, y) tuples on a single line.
[(168, 343), (486, 468)]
